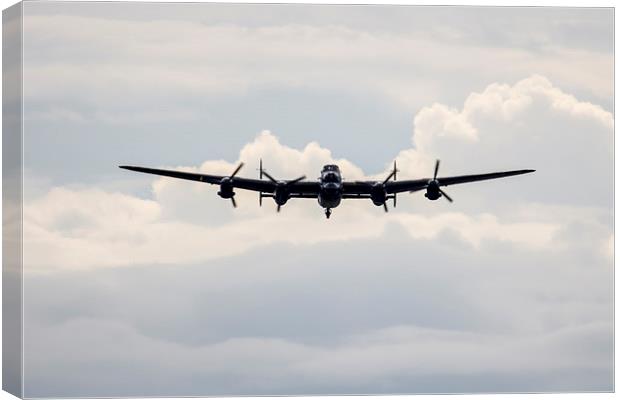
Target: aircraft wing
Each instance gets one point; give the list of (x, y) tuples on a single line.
[(420, 184), (357, 188), (257, 185), (305, 189)]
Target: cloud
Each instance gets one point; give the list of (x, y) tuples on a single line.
[(531, 124), (417, 363), (196, 60), (506, 126), (102, 229), (438, 126), (502, 102), (381, 315)]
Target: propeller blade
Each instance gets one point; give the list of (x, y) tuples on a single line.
[(278, 209), (271, 178), (236, 170), (444, 194), (436, 169), (234, 202), (393, 173), (385, 207), (301, 178), (260, 168)]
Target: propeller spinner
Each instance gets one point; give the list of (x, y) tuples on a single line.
[(226, 186), (281, 193), (433, 191)]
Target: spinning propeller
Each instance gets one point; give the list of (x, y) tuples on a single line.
[(226, 184), (392, 174), (433, 186), (281, 192)]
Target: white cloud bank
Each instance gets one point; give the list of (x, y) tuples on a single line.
[(91, 228)]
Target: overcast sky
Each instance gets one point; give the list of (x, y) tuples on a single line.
[(138, 285)]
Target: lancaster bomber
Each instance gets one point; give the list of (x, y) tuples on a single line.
[(330, 188)]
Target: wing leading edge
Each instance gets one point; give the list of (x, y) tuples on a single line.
[(257, 185), (420, 184)]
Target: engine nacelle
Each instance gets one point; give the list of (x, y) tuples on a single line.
[(226, 189), (378, 194), (432, 191)]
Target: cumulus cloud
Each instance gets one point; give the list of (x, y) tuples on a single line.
[(531, 124), (504, 103), (110, 229)]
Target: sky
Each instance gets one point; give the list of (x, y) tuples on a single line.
[(137, 285)]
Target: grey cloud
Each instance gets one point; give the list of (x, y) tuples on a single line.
[(529, 27), (321, 307)]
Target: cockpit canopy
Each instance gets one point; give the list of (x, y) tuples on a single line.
[(331, 174), (331, 167)]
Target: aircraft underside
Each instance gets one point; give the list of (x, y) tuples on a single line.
[(328, 203)]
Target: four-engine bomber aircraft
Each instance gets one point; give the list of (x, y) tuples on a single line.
[(330, 188)]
